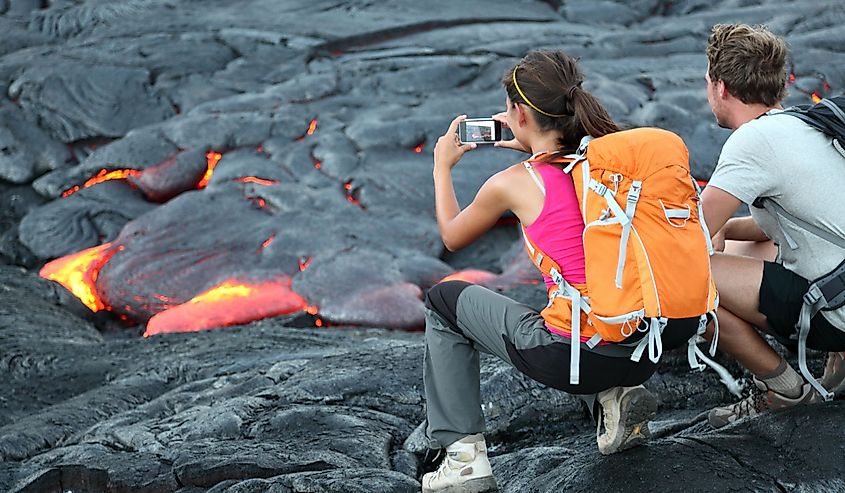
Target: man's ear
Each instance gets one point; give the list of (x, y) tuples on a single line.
[(722, 90)]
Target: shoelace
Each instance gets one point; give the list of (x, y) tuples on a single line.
[(751, 405), (441, 471)]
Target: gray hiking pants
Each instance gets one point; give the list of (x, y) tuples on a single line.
[(463, 319)]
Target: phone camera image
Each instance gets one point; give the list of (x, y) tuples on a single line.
[(480, 131)]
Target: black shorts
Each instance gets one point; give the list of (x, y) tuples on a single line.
[(781, 297)]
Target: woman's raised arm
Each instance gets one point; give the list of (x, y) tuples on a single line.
[(459, 228)]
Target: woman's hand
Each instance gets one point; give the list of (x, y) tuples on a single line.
[(508, 144), (449, 149)]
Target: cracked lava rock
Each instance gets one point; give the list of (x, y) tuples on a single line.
[(266, 166)]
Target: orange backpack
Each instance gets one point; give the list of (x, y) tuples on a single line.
[(646, 246)]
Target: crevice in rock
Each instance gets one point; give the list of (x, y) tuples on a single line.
[(726, 451), (341, 45)]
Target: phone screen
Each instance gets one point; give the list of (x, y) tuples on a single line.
[(480, 131)]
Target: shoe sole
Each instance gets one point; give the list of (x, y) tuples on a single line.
[(480, 485), (637, 408)]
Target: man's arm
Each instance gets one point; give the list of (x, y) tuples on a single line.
[(718, 206), (743, 229)]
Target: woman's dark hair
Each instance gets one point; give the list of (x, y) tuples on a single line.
[(551, 81)]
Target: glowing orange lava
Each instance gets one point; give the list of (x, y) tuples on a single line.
[(815, 97), (419, 148), (311, 310), (701, 183), (230, 303), (312, 127), (100, 177), (303, 264), (256, 180), (267, 242), (474, 276), (78, 273), (318, 164), (212, 158)]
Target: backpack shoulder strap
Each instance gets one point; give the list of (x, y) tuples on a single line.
[(779, 212)]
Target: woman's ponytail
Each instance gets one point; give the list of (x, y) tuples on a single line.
[(591, 114), (549, 82)]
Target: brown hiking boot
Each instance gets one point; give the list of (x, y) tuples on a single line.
[(760, 400), (833, 378)]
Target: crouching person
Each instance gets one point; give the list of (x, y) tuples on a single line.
[(791, 176), (617, 298)]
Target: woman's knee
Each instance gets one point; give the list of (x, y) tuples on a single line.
[(442, 299)]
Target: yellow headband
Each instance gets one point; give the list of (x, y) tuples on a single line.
[(526, 98)]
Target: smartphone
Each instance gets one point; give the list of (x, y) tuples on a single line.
[(479, 131)]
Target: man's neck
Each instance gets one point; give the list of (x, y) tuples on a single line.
[(744, 113)]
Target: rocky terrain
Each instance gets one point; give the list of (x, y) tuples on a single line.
[(265, 166)]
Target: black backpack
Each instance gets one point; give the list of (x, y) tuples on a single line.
[(828, 116)]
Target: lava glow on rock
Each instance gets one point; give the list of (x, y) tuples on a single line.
[(256, 180), (78, 273), (103, 175), (474, 276), (213, 158), (230, 303)]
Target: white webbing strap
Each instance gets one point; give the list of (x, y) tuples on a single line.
[(594, 341), (701, 219), (576, 158), (652, 341), (813, 301), (579, 304), (733, 385), (630, 209), (691, 346), (534, 177), (601, 189), (715, 341), (575, 342)]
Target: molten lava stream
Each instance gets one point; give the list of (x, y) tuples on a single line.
[(231, 303), (78, 273), (474, 276), (103, 176)]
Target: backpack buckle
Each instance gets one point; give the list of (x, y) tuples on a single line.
[(813, 295)]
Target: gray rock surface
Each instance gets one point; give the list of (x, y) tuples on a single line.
[(270, 407), (324, 115)]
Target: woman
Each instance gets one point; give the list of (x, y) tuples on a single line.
[(549, 113)]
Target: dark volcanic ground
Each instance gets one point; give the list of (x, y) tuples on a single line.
[(321, 118)]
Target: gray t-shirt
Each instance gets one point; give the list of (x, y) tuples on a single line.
[(783, 158)]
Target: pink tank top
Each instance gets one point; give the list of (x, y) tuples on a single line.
[(558, 229)]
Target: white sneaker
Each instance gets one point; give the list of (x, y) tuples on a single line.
[(465, 469), (623, 422)]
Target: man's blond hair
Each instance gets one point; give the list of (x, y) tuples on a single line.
[(750, 60)]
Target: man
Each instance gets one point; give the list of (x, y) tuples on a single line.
[(761, 278)]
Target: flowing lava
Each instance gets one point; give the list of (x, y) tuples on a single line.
[(213, 158), (256, 180), (231, 303), (474, 276), (78, 273), (419, 148), (100, 177), (312, 127)]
